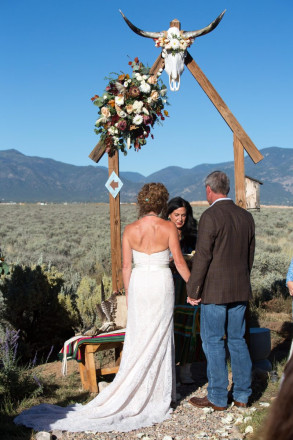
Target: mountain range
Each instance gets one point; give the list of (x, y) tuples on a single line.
[(35, 179)]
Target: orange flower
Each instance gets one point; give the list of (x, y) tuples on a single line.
[(166, 113), (136, 59), (121, 77), (94, 97), (112, 103)]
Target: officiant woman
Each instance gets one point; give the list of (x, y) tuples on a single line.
[(187, 343)]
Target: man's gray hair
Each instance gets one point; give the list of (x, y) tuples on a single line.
[(219, 182)]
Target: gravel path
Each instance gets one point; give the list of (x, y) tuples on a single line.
[(186, 422)]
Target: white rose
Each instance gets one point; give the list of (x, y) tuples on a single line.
[(175, 44), (116, 140), (173, 31), (105, 97), (145, 77), (125, 84), (137, 106), (122, 114), (119, 100), (113, 130), (146, 112), (149, 100), (137, 120), (138, 76), (144, 87)]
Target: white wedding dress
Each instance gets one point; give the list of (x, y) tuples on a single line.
[(144, 386)]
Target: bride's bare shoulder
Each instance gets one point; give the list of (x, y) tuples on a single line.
[(131, 226)]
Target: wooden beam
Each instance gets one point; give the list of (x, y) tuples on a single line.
[(175, 23), (158, 64), (222, 108), (115, 226), (98, 152), (239, 173)]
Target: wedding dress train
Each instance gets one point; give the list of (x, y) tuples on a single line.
[(144, 386)]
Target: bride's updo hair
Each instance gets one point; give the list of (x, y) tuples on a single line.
[(152, 197)]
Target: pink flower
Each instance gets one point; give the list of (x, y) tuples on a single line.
[(147, 119), (122, 125)]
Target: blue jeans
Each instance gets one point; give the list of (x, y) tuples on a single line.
[(217, 320)]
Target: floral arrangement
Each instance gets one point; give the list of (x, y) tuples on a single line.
[(129, 107), (174, 41)]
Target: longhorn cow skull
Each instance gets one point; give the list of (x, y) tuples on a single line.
[(175, 51)]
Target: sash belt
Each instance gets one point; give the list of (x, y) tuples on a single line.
[(151, 266)]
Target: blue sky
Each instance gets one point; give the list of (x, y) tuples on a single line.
[(55, 55)]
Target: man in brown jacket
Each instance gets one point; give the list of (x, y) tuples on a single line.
[(220, 279)]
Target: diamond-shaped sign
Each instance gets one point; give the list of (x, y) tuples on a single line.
[(113, 184)]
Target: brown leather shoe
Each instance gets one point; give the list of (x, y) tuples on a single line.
[(203, 402), (240, 404)]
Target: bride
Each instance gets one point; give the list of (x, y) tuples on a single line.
[(144, 386)]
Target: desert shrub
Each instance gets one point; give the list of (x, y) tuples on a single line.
[(268, 276), (273, 248), (82, 305), (266, 262), (16, 382), (30, 296)]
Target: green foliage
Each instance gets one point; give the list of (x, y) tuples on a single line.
[(16, 382), (268, 277), (31, 306), (81, 305)]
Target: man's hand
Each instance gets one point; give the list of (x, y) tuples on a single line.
[(192, 301)]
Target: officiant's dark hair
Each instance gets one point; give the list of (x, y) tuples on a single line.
[(152, 197), (189, 229)]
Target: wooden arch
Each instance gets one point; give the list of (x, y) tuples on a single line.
[(241, 142)]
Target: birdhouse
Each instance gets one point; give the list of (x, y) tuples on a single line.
[(252, 192)]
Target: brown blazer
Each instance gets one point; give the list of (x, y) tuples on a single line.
[(224, 255)]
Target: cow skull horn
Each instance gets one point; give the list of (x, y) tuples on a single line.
[(139, 31), (205, 30), (174, 60)]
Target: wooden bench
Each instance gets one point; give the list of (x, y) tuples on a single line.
[(82, 349), (87, 368)]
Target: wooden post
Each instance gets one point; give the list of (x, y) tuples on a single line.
[(222, 108), (239, 172), (115, 226)]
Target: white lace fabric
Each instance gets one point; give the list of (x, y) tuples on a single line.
[(144, 386)]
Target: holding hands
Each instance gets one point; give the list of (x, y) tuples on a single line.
[(192, 301)]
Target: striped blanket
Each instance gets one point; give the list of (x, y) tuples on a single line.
[(187, 334), (71, 346)]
